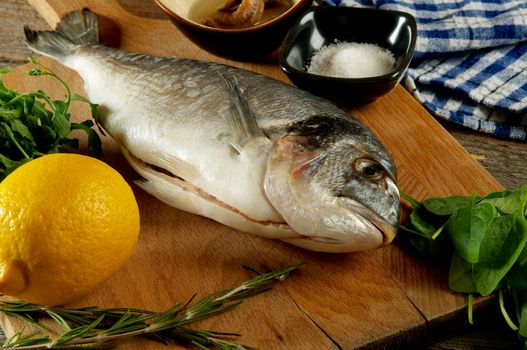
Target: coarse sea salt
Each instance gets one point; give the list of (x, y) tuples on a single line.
[(351, 60)]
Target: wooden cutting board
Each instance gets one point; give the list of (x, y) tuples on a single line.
[(378, 298)]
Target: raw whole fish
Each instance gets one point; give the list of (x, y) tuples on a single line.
[(243, 149)]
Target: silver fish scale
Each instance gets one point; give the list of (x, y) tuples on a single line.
[(190, 86)]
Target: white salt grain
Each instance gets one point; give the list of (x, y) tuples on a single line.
[(352, 60)]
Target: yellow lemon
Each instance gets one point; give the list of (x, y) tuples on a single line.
[(67, 222)]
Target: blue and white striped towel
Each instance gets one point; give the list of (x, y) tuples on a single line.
[(470, 62)]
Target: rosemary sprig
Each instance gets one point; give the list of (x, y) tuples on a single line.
[(100, 328)]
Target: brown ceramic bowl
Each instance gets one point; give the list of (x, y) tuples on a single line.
[(243, 44)]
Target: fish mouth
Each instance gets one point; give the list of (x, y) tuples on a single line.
[(335, 245), (387, 230)]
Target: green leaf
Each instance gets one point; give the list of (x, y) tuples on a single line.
[(59, 320), (29, 129), (61, 124), (12, 168), (486, 278), (9, 113), (517, 277), (94, 142), (71, 143), (39, 112), (522, 259), (7, 162), (21, 128), (507, 201), (46, 138), (460, 275), (448, 205), (467, 227), (94, 108), (13, 139), (94, 327), (520, 302), (438, 250), (494, 252), (5, 70), (422, 222)]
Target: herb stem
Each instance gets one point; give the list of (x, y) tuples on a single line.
[(504, 312), (38, 94), (46, 71), (439, 230), (15, 142), (470, 306), (414, 203), (407, 229), (95, 327)]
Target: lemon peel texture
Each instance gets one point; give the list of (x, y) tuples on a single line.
[(67, 223)]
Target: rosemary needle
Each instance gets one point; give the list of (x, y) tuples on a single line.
[(99, 328)]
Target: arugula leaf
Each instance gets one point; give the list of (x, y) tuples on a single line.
[(32, 124), (61, 124), (94, 142)]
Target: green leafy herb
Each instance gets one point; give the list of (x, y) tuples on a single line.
[(483, 239), (97, 328), (32, 124)]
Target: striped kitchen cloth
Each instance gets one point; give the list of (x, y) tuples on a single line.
[(470, 61)]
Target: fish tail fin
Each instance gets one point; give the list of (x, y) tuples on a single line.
[(76, 29)]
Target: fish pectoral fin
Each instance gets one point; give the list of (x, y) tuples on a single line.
[(242, 125), (177, 167), (164, 163)]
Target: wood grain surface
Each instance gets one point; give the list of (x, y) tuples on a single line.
[(382, 298)]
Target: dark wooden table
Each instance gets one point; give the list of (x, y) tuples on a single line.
[(505, 160)]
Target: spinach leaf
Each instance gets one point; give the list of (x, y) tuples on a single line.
[(467, 227), (460, 275), (423, 222), (488, 278), (487, 243), (520, 301), (446, 206), (517, 277), (507, 201), (494, 252), (437, 250), (522, 259)]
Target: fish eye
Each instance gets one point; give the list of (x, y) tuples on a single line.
[(368, 168)]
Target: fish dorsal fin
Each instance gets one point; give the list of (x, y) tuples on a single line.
[(242, 125)]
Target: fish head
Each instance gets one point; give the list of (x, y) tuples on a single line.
[(334, 184)]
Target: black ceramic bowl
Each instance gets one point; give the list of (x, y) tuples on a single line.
[(322, 26), (245, 44)]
